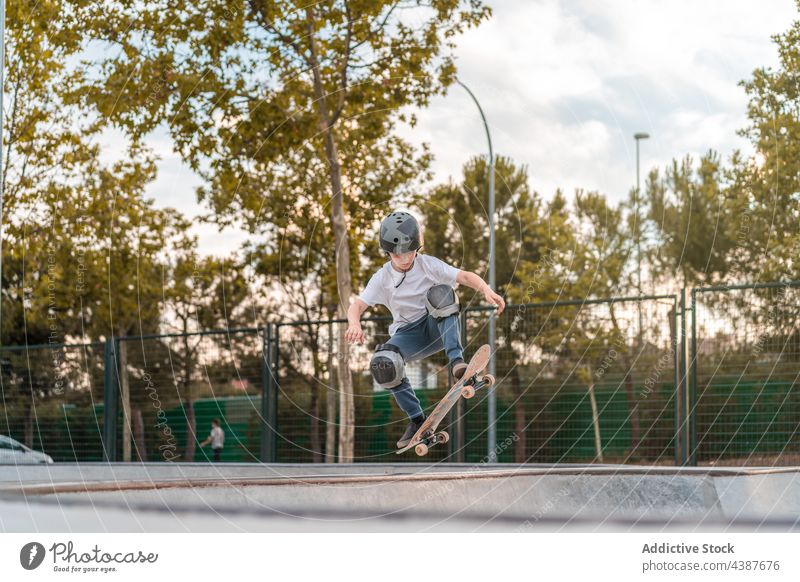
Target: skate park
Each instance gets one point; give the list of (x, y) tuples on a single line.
[(156, 375)]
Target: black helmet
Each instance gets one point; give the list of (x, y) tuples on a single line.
[(400, 233)]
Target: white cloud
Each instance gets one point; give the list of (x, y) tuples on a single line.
[(564, 86)]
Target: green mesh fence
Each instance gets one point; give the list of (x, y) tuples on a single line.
[(577, 381), (52, 399), (308, 401), (746, 365), (554, 360), (179, 383)]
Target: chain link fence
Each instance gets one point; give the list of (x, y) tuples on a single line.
[(579, 382), (52, 399), (600, 380), (746, 374), (179, 383), (308, 394)]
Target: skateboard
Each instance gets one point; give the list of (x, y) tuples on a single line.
[(473, 379)]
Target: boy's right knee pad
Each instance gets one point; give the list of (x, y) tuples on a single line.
[(442, 301), (387, 366)]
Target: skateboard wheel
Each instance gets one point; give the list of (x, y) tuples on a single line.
[(443, 437), (489, 379), (421, 449), (468, 392)]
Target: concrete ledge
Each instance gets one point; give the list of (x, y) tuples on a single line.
[(465, 496)]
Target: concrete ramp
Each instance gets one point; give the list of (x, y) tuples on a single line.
[(374, 497)]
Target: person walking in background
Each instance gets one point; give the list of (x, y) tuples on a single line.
[(216, 438)]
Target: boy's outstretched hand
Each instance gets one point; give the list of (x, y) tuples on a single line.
[(354, 334), (495, 299), (473, 281)]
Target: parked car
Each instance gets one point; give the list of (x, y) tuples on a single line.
[(15, 453)]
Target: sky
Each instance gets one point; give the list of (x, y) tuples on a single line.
[(565, 85)]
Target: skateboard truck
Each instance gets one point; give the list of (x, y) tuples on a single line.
[(468, 391), (437, 438)]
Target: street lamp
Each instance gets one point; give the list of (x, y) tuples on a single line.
[(492, 396), (639, 136)]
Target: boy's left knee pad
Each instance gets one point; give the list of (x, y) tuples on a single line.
[(387, 366), (442, 301)]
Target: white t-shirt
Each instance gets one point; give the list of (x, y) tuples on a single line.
[(217, 437), (407, 302)]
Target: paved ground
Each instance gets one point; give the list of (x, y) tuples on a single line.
[(404, 497)]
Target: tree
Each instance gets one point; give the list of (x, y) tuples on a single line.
[(607, 243), (63, 204), (266, 98), (130, 254), (765, 187), (46, 146), (456, 220), (201, 294), (694, 222)]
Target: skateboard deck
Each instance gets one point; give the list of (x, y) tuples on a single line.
[(474, 378)]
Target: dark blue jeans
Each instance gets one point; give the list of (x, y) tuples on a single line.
[(418, 340)]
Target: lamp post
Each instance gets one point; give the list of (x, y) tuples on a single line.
[(492, 396), (639, 136)]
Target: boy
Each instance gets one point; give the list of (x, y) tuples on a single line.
[(419, 290)]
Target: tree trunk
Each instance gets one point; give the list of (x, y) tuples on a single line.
[(342, 242), (633, 407), (316, 445), (330, 432), (191, 419), (347, 412), (125, 397), (191, 429), (138, 435), (598, 445)]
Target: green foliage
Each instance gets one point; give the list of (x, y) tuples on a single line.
[(740, 221), (694, 220), (205, 293), (766, 188), (84, 252), (235, 84), (606, 248), (532, 239)]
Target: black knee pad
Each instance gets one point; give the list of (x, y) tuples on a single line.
[(387, 366)]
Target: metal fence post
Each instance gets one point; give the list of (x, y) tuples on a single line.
[(276, 386), (680, 414), (110, 401), (692, 387), (264, 428), (684, 399), (686, 427), (269, 396)]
